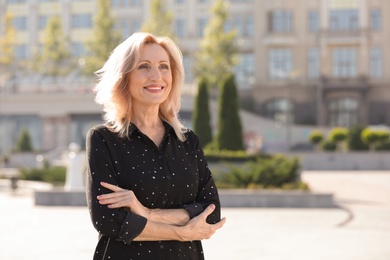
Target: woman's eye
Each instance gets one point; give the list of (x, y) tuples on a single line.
[(143, 66), (164, 66)]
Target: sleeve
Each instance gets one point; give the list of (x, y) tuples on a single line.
[(121, 224), (207, 191)]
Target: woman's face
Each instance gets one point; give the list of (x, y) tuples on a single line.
[(151, 80)]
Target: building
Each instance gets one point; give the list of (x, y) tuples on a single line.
[(312, 62)]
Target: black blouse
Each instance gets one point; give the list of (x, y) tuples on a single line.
[(173, 175)]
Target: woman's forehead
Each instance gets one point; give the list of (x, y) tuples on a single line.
[(154, 52)]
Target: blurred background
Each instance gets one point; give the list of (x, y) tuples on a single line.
[(301, 68), (295, 95)]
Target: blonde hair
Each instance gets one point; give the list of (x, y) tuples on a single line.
[(112, 88)]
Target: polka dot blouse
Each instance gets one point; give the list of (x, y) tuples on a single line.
[(173, 175)]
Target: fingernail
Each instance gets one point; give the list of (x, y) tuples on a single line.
[(212, 206)]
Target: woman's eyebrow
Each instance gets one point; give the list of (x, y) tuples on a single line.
[(150, 61)]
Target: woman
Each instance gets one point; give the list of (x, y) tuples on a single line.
[(149, 190)]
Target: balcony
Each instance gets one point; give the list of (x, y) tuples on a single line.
[(359, 83), (343, 36)]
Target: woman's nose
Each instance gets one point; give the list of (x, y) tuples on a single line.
[(155, 73)]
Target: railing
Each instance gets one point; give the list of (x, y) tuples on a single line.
[(359, 82), (343, 34)]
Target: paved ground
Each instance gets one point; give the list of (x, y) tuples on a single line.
[(358, 230)]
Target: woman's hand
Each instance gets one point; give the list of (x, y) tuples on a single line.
[(198, 229), (120, 198)]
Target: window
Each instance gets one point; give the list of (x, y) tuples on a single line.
[(245, 70), (250, 26), (313, 64), (239, 25), (123, 26), (344, 62), (202, 22), (279, 63), (20, 23), (180, 28), (136, 26), (228, 25), (16, 1), (114, 3), (313, 21), (135, 2), (20, 51), (42, 22), (281, 110), (81, 21), (78, 49), (375, 20), (343, 112), (376, 63), (344, 20), (121, 3), (187, 68), (280, 21)]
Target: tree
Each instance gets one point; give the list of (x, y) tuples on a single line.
[(7, 41), (217, 55), (54, 59), (201, 114), (354, 140), (229, 135), (23, 144), (338, 135), (316, 138), (104, 39), (374, 137), (160, 20)]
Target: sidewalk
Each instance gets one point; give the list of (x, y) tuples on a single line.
[(358, 230)]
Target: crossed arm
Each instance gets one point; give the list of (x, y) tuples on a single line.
[(162, 224)]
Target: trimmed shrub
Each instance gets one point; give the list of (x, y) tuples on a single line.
[(338, 135), (374, 138), (275, 171), (328, 145), (55, 175), (201, 115), (354, 140), (316, 137), (23, 144), (229, 136)]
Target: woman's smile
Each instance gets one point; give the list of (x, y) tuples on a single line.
[(154, 88)]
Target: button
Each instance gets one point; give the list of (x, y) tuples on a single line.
[(160, 157), (164, 201), (161, 246), (168, 177)]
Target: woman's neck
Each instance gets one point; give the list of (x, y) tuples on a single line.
[(146, 118)]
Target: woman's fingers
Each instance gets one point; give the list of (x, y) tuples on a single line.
[(110, 186)]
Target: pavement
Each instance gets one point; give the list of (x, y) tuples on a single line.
[(358, 229)]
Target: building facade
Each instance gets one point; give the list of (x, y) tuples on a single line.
[(312, 62)]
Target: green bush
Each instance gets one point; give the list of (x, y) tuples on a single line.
[(375, 138), (385, 146), (214, 155), (23, 144), (55, 175), (316, 137), (338, 135), (328, 145), (275, 171), (354, 140)]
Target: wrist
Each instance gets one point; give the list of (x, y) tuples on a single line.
[(182, 233)]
